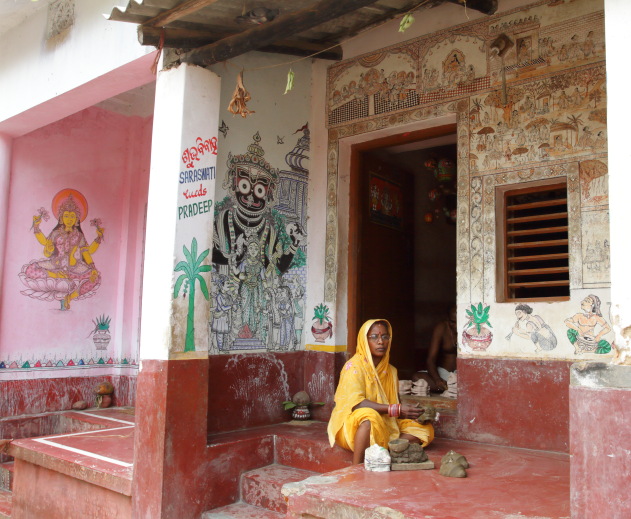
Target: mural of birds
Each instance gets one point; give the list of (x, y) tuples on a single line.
[(258, 15)]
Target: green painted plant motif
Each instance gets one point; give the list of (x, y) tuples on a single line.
[(321, 313), (192, 269), (479, 316), (102, 322)]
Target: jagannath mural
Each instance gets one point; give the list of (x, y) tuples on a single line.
[(67, 271), (258, 279)]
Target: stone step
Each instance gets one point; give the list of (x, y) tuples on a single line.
[(261, 487), (5, 504), (311, 450), (6, 475), (240, 511)]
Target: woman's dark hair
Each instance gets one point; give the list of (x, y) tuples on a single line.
[(524, 308)]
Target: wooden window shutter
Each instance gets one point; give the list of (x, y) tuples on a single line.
[(536, 253)]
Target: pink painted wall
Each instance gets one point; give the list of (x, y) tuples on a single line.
[(105, 156)]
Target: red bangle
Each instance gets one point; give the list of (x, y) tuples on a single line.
[(394, 410)]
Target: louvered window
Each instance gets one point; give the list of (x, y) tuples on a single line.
[(536, 254)]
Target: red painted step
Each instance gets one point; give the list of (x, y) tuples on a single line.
[(5, 504), (241, 511), (6, 475), (261, 487)]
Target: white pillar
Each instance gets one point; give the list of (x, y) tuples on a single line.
[(180, 211), (617, 23), (6, 144)]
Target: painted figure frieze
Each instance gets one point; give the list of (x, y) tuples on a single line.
[(259, 257), (537, 47), (67, 272), (595, 244), (454, 66), (556, 118)]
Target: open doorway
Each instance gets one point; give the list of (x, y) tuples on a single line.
[(402, 241)]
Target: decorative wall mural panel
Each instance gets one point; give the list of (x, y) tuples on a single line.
[(595, 244), (551, 125), (588, 329), (67, 272), (259, 276), (594, 183), (530, 332), (560, 117), (453, 67)]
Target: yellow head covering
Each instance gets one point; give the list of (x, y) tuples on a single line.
[(361, 379)]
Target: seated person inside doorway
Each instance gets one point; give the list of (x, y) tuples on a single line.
[(442, 354), (367, 408)]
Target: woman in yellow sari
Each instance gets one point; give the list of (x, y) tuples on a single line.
[(367, 408)]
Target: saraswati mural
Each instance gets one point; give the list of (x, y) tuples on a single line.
[(67, 271)]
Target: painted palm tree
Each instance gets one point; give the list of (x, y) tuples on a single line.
[(575, 121), (192, 269)]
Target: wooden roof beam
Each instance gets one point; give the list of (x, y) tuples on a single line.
[(191, 39), (266, 34), (177, 12)]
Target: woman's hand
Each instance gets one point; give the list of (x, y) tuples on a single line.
[(411, 412), (37, 219)]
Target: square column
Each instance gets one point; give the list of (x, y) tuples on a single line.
[(172, 394), (617, 21), (6, 146), (600, 426)]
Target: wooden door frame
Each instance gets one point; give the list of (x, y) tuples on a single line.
[(355, 215)]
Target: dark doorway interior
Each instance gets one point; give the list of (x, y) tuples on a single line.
[(406, 243)]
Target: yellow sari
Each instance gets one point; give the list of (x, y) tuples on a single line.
[(361, 380)]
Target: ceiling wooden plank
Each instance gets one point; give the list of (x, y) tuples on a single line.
[(177, 12), (191, 39), (266, 34), (484, 6)]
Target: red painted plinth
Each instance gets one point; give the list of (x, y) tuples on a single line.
[(600, 428), (518, 403), (41, 493)]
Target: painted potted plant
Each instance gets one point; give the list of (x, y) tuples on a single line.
[(477, 336), (101, 333), (321, 327), (299, 405)]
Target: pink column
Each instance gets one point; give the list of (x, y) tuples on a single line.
[(600, 428), (6, 144)]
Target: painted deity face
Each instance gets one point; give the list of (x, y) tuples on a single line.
[(378, 347), (253, 249), (252, 190), (587, 304), (69, 218)]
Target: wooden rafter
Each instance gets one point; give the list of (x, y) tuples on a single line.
[(266, 34), (191, 39), (177, 12)]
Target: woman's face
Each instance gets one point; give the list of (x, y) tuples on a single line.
[(520, 314), (379, 346), (69, 218), (587, 304)]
